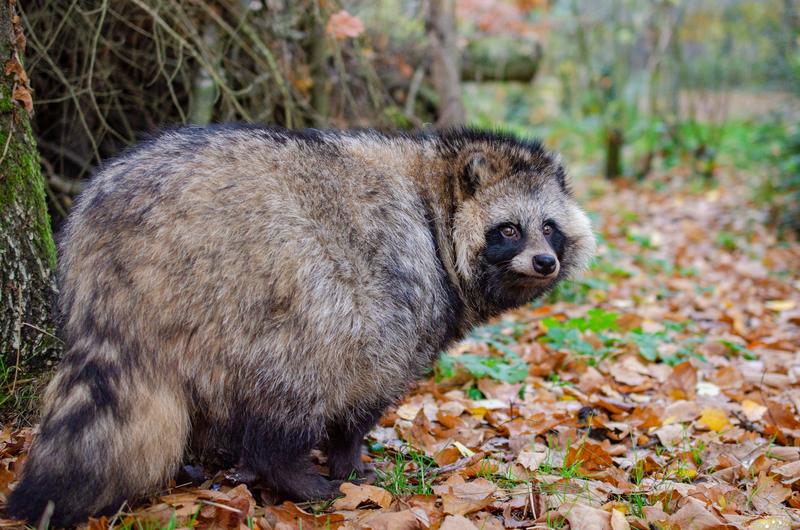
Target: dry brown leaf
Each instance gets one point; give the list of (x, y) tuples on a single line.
[(695, 515), (356, 495), (457, 522), (23, 95), (505, 392), (781, 415), (446, 456), (378, 520), (768, 494), (6, 478), (290, 516), (655, 516), (426, 509), (790, 472), (13, 66), (681, 411), (618, 521), (460, 497), (682, 382), (531, 460), (770, 523), (671, 435), (752, 410), (590, 455), (582, 517)]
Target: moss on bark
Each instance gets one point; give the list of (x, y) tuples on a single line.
[(27, 251)]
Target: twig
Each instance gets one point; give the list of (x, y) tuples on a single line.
[(8, 141), (413, 88), (175, 35), (63, 79), (40, 330), (66, 185), (44, 522), (530, 497), (18, 326)]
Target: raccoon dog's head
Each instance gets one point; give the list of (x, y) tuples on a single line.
[(518, 229)]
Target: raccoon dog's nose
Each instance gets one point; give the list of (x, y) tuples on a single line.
[(544, 264)]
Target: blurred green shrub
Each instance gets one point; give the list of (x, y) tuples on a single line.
[(781, 191)]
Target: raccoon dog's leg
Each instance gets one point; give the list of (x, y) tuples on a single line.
[(280, 458), (344, 444), (107, 436)]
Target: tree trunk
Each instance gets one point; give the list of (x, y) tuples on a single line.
[(615, 140), (445, 67), (204, 89), (27, 252), (319, 53)]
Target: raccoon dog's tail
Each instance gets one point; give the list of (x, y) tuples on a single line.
[(108, 435)]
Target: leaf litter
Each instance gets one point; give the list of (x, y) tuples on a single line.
[(660, 390)]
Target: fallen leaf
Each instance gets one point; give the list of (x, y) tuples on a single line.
[(457, 522), (768, 494), (589, 455), (582, 517), (752, 410), (715, 419), (704, 388), (681, 411), (460, 497), (531, 460), (408, 411), (670, 435), (6, 478), (618, 521), (789, 472), (682, 382), (376, 520), (694, 514), (780, 305), (291, 516), (781, 415), (356, 495), (770, 523)]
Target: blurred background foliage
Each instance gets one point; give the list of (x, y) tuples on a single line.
[(626, 89)]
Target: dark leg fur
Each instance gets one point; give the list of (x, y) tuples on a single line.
[(281, 460), (344, 446)]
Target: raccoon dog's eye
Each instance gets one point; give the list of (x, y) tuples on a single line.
[(510, 232), (547, 229)]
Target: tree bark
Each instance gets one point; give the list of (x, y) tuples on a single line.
[(204, 90), (319, 53), (615, 140), (27, 251), (445, 66)]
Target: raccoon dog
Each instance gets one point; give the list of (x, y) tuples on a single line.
[(245, 294)]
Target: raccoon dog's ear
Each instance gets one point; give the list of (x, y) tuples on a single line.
[(477, 171)]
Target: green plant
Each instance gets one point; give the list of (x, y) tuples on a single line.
[(649, 344), (738, 349), (727, 241), (508, 367), (569, 334), (397, 480), (781, 192)]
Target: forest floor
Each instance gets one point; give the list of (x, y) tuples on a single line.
[(661, 390)]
